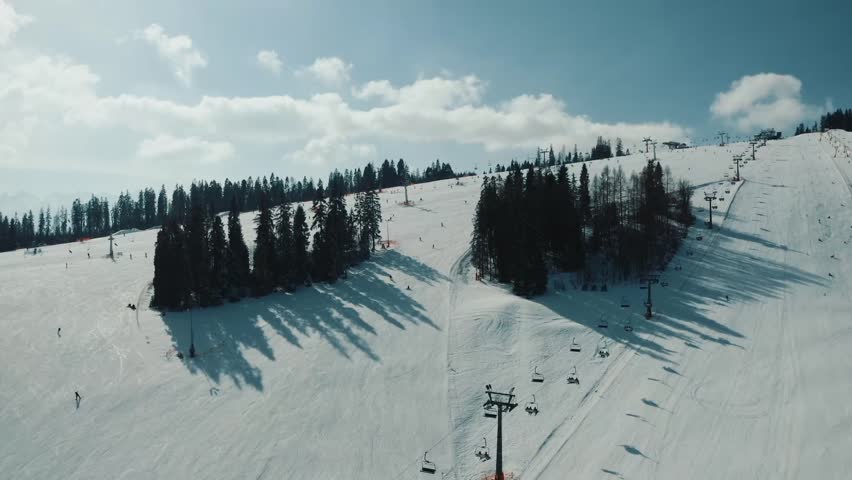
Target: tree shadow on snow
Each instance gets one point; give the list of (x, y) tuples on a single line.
[(719, 271), (224, 335)]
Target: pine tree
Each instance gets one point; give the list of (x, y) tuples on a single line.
[(300, 256), (284, 246), (264, 261), (199, 256), (218, 262), (237, 260), (585, 199)]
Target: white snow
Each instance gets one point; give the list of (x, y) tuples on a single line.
[(359, 378)]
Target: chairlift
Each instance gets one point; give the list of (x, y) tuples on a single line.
[(603, 350), (537, 377), (602, 323), (575, 347), (627, 326), (664, 283), (482, 452), (426, 466), (624, 302), (721, 199), (727, 190), (532, 407), (715, 207), (573, 378), (678, 267), (699, 238), (490, 410)]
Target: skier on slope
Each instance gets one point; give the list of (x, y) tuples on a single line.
[(78, 398)]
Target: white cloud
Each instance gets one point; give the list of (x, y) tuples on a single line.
[(331, 150), (761, 101), (63, 96), (331, 71), (10, 22), (177, 50), (188, 149), (268, 60)]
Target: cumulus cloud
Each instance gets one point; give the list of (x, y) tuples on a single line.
[(269, 61), (325, 128), (330, 71), (177, 51), (10, 22), (331, 150), (761, 101), (190, 148)]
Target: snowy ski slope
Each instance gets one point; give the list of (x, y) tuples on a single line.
[(359, 378)]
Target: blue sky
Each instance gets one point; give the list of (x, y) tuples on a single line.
[(104, 95)]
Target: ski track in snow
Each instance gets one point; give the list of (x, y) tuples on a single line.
[(359, 378)]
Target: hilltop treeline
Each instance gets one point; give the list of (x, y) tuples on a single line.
[(528, 224), (549, 158), (838, 120), (150, 208), (197, 263)]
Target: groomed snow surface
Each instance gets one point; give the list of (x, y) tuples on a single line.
[(359, 378)]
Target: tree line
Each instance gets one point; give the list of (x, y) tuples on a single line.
[(197, 263), (837, 120), (149, 208), (609, 226), (550, 158)]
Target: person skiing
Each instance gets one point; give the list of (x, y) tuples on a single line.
[(78, 398), (59, 332), (89, 255), (408, 287)]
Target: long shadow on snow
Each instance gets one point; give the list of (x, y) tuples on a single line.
[(685, 308), (225, 334)]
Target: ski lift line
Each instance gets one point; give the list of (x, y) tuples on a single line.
[(519, 399), (489, 431)]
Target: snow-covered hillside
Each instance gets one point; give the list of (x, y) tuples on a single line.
[(743, 372)]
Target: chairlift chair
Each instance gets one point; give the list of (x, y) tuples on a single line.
[(537, 377), (602, 323), (575, 347), (627, 326), (482, 452), (426, 466), (532, 407), (490, 410), (699, 238), (603, 350), (573, 378)]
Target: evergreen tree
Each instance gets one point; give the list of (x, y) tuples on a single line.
[(199, 256), (284, 246), (585, 199), (218, 261), (264, 261), (237, 260), (300, 247)]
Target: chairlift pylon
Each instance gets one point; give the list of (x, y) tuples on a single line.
[(426, 466), (537, 377)]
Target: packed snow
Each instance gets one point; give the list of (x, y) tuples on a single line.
[(742, 373)]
